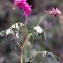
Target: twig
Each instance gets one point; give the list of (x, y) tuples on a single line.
[(41, 19), (26, 41), (21, 58), (26, 21)]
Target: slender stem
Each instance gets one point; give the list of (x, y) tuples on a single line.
[(21, 58), (35, 55), (26, 41), (41, 19), (26, 21)]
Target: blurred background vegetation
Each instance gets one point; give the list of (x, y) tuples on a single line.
[(53, 27)]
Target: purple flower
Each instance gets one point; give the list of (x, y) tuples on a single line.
[(24, 5), (54, 12)]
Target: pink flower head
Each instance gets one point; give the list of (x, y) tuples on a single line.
[(24, 5), (54, 12)]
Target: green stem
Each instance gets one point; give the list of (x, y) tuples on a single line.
[(26, 21), (41, 19), (35, 55)]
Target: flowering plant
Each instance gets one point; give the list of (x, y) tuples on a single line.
[(36, 33)]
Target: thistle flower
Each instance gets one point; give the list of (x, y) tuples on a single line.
[(24, 5), (54, 12)]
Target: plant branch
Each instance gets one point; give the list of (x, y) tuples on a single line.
[(28, 38), (26, 41), (26, 21), (41, 19), (35, 55), (21, 58)]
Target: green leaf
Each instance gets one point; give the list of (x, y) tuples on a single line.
[(44, 35), (57, 58), (30, 31), (31, 39), (3, 33), (32, 26)]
